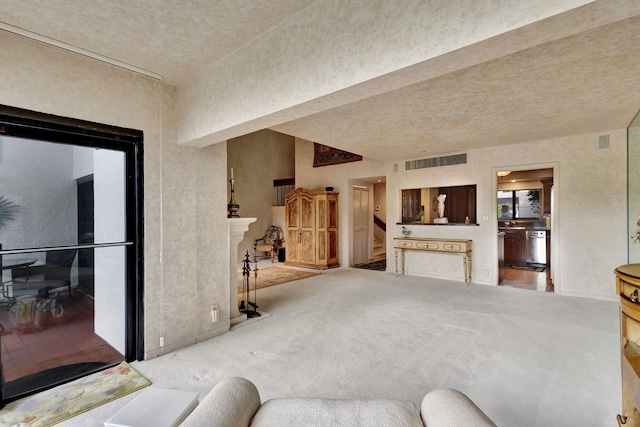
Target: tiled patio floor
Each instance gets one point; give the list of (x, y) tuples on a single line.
[(28, 349)]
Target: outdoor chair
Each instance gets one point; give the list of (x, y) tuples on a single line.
[(39, 280)]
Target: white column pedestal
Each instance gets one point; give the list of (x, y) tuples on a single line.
[(236, 228)]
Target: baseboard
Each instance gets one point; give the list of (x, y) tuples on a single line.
[(613, 298), (159, 351), (430, 276)]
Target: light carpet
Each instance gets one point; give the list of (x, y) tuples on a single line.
[(528, 359), (71, 399), (272, 276)]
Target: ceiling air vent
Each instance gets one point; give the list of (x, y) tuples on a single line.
[(434, 162)]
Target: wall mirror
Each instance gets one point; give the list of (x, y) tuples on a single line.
[(420, 205)]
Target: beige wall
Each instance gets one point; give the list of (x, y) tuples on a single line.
[(589, 227), (380, 201), (186, 254), (257, 159)]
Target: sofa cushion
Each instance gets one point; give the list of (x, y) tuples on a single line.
[(446, 407), (300, 412), (231, 403)]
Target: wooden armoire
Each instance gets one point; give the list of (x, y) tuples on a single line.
[(312, 228)]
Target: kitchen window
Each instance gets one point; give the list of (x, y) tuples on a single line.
[(519, 204)]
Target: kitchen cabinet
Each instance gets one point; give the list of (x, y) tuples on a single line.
[(312, 228), (500, 256), (515, 247)]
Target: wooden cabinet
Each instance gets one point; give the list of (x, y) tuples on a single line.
[(628, 288), (546, 195), (460, 203), (501, 257), (515, 247), (312, 228)]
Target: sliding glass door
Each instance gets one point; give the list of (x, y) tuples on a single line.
[(70, 230)]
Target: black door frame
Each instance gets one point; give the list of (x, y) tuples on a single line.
[(28, 124)]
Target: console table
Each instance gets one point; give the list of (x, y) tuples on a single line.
[(458, 246)]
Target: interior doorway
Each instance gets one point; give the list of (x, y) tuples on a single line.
[(361, 247), (368, 223), (525, 212)]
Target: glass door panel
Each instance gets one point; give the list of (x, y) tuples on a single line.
[(64, 267)]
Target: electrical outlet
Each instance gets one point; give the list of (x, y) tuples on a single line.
[(215, 313), (485, 271)]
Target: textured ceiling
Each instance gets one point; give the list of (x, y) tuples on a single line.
[(174, 39), (581, 84)]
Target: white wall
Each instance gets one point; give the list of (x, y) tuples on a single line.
[(589, 228), (82, 161), (39, 178), (109, 226)]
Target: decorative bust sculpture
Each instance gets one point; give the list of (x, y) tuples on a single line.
[(441, 198), (442, 219)]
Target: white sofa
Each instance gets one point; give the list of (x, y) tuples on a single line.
[(235, 402)]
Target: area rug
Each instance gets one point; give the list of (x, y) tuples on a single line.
[(68, 400), (273, 276), (377, 265)]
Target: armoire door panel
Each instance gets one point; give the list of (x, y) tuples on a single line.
[(307, 245), (321, 245), (293, 213), (307, 215), (292, 251), (333, 213), (322, 223)]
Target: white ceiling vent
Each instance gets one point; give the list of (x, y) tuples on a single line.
[(434, 162)]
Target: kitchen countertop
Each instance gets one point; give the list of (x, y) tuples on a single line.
[(523, 228)]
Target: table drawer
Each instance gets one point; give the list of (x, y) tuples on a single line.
[(432, 246), (453, 247), (404, 244)]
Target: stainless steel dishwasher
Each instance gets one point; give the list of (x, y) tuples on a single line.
[(536, 250)]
